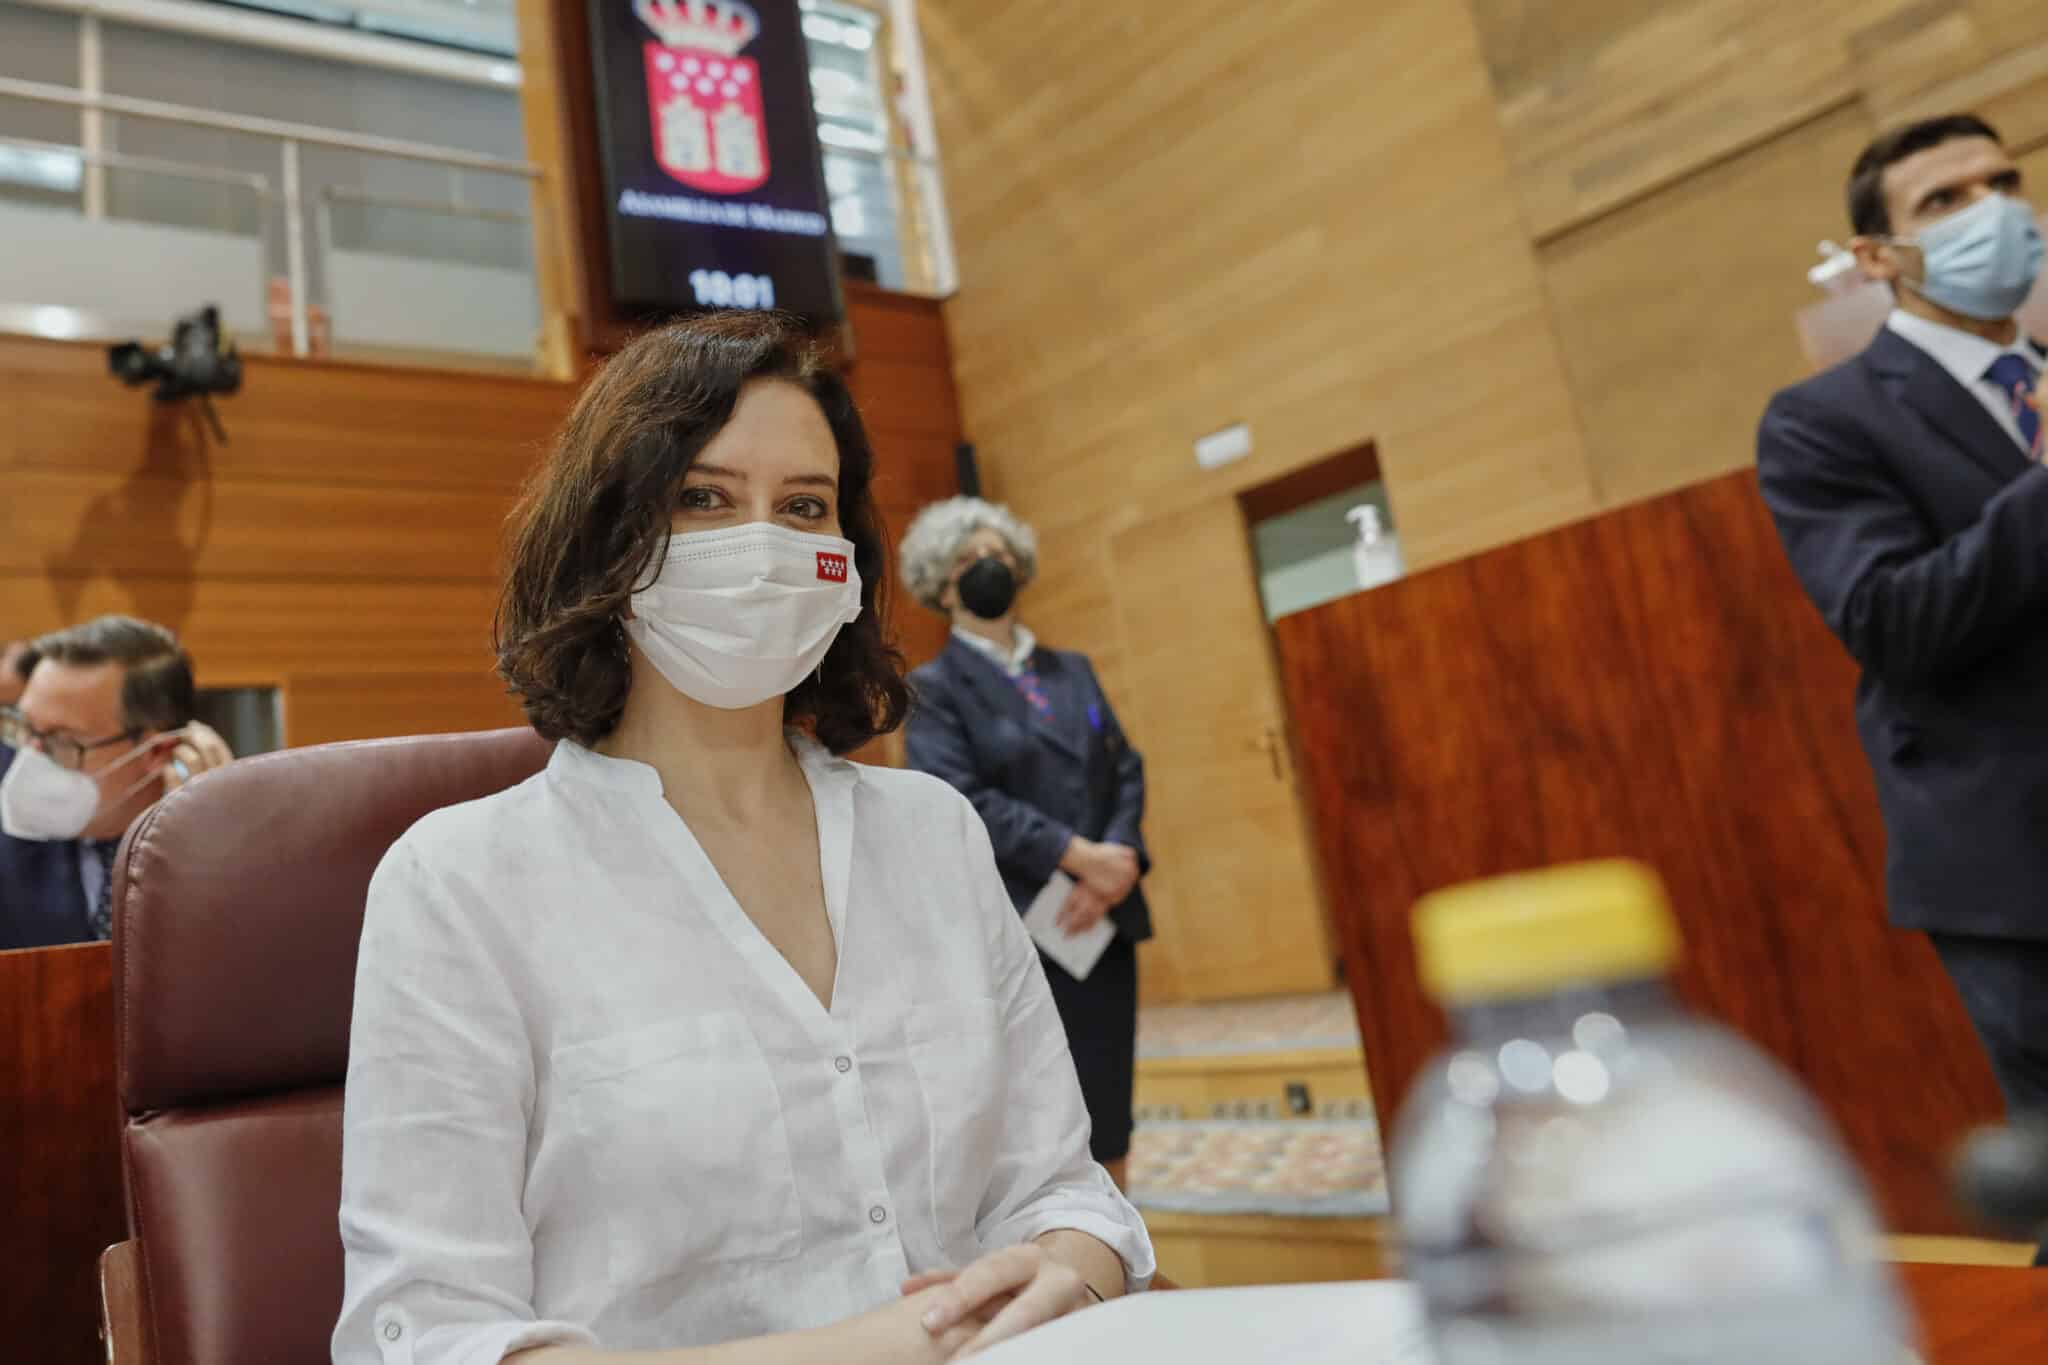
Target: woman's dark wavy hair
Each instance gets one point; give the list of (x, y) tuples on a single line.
[(592, 526)]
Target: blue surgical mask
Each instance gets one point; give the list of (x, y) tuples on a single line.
[(1980, 261)]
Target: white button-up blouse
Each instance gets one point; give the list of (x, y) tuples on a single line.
[(588, 1102)]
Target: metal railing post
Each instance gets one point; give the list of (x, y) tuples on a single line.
[(92, 124), (295, 246)]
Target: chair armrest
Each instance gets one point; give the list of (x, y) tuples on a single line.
[(121, 1312)]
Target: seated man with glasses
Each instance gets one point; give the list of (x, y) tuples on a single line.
[(103, 731)]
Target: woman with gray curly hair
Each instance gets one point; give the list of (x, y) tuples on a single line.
[(1027, 734)]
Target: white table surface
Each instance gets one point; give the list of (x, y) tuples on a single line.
[(1370, 1322)]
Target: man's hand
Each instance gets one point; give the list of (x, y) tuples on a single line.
[(1014, 1290), (1085, 906), (201, 750), (1110, 870)]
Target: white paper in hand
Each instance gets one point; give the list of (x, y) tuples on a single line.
[(1079, 953)]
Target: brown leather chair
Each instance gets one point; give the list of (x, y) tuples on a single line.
[(238, 908)]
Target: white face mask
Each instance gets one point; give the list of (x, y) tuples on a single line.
[(41, 801), (740, 615)]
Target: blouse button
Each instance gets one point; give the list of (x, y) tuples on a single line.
[(392, 1331), (845, 1064), (878, 1214)]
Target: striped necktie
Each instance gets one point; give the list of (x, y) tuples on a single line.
[(2014, 375), (1034, 692), (103, 904)]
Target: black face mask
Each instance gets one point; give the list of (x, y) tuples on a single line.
[(988, 589)]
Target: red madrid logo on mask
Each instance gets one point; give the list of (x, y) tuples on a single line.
[(831, 567), (703, 97)]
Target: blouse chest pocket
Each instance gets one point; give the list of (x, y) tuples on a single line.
[(685, 1146), (956, 1048)]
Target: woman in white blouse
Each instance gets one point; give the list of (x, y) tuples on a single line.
[(704, 1041)]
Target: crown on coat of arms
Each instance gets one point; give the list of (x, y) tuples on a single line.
[(720, 26)]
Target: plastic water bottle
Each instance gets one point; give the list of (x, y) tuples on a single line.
[(1593, 1176)]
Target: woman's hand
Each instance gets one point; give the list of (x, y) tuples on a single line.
[(899, 1332), (1110, 870), (1014, 1289), (1084, 907)]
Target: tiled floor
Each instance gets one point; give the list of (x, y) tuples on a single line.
[(1284, 1167), (1287, 1023)]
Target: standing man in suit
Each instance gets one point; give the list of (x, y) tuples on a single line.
[(103, 731), (1027, 734), (1908, 490)]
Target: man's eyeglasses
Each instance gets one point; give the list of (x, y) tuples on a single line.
[(64, 751)]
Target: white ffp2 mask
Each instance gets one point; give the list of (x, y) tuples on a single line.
[(739, 615), (43, 801)]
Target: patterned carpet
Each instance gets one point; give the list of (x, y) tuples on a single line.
[(1296, 1168), (1286, 1023)]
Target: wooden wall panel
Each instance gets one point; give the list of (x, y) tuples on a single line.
[(1650, 683), (1976, 54), (1172, 215), (1602, 103), (259, 631), (2011, 91), (1673, 312), (184, 523), (1161, 234), (322, 424), (60, 1163), (322, 708), (349, 527)]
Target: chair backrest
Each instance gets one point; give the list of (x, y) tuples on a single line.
[(238, 909)]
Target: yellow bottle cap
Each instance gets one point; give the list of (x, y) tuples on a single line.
[(1534, 932)]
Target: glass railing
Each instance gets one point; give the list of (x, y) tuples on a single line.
[(109, 245), (404, 275), (106, 245), (87, 235)]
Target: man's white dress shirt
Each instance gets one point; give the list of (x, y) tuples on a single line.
[(588, 1102), (1967, 356)]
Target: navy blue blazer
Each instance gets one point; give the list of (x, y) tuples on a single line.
[(1036, 784), (42, 900), (1920, 530)]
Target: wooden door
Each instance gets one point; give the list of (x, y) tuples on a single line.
[(1235, 891), (60, 1153)]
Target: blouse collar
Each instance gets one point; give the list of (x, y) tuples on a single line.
[(574, 762)]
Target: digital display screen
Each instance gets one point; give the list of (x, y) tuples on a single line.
[(714, 189)]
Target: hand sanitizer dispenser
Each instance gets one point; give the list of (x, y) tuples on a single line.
[(1377, 555)]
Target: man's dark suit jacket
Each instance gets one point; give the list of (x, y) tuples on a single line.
[(1920, 530), (1036, 784), (42, 901)]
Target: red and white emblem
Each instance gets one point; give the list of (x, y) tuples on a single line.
[(831, 567), (703, 97)]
